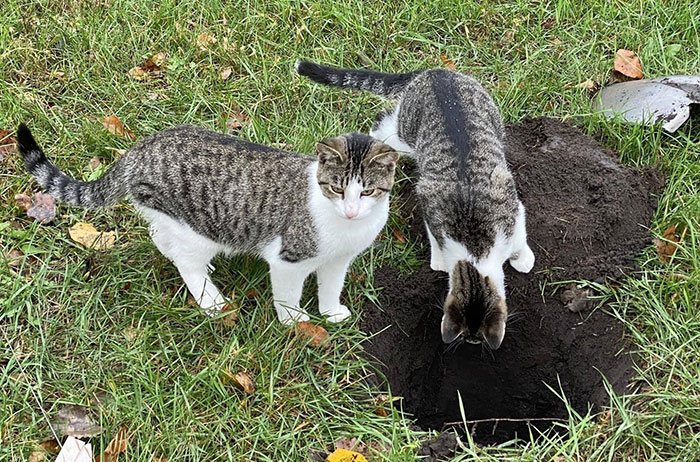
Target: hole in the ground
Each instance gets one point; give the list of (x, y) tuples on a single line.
[(588, 219)]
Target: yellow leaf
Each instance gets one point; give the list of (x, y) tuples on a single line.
[(344, 455), (204, 40), (86, 235)]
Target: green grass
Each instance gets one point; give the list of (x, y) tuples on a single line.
[(77, 323)]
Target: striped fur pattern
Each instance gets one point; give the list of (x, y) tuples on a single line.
[(206, 193), (450, 126)]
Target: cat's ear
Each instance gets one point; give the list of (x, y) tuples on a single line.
[(383, 155), (331, 149), (450, 328)]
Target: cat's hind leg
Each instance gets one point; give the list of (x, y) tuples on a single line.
[(331, 277), (191, 253), (521, 259), (287, 283), (437, 260)]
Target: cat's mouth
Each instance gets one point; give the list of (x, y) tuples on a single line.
[(473, 339)]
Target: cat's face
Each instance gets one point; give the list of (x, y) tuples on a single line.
[(474, 312), (355, 172)]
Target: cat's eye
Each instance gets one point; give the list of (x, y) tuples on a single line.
[(337, 190), (368, 192)]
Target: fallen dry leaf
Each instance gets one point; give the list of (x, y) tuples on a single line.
[(94, 163), (41, 207), (115, 127), (14, 258), (74, 420), (252, 294), (399, 236), (667, 246), (119, 443), (345, 455), (380, 412), (225, 73), (243, 380), (235, 119), (7, 143), (548, 24), (448, 63), (149, 69), (89, 237), (627, 63), (317, 334), (231, 315), (204, 40)]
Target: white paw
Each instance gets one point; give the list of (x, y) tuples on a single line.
[(337, 314), (288, 315), (524, 262)]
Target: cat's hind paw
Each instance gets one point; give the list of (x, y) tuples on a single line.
[(524, 261), (337, 314)]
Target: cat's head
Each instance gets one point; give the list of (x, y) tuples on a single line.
[(355, 172), (474, 311)]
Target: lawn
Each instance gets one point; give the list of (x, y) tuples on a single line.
[(113, 329)]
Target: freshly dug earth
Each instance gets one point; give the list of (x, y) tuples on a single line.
[(587, 219)]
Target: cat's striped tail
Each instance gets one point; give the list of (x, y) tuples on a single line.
[(388, 85), (103, 192)]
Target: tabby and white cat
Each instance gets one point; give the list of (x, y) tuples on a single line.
[(449, 124), (205, 193)]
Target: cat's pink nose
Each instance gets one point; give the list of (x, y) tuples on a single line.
[(351, 213)]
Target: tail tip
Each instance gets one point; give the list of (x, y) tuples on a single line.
[(25, 140), (303, 67)]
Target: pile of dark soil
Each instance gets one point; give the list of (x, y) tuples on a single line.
[(587, 218)]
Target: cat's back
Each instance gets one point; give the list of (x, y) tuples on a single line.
[(193, 143)]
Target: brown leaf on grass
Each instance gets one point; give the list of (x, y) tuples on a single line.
[(41, 207), (225, 73), (252, 294), (8, 143), (204, 40), (231, 315), (51, 446), (627, 63), (151, 68), (14, 258), (119, 443), (399, 236), (241, 379), (548, 24), (380, 412), (88, 236), (235, 119), (667, 246), (317, 334), (115, 127), (448, 63)]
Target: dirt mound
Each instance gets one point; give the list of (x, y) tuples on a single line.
[(588, 218)]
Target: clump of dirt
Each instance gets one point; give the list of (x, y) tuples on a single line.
[(587, 218)]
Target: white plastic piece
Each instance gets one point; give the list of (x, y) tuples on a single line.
[(75, 450)]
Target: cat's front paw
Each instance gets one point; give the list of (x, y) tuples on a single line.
[(288, 315), (337, 314), (524, 261)]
